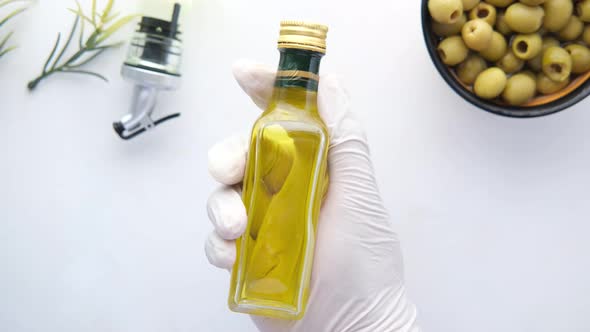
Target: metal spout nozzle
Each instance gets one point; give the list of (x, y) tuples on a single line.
[(153, 66)]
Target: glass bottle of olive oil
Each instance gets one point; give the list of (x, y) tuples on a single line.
[(285, 182)]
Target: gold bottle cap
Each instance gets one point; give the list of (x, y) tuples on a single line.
[(303, 35)]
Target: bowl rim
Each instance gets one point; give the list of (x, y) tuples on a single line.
[(553, 107)]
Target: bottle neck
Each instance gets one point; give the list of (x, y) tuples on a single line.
[(298, 78)]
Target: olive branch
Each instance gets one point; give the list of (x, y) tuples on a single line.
[(104, 24), (4, 49)]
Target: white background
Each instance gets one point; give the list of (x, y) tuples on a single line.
[(97, 234)]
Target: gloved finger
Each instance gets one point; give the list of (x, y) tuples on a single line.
[(227, 213), (334, 108), (220, 252), (227, 160), (257, 80)]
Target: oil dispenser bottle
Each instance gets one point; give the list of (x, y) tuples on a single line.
[(152, 65)]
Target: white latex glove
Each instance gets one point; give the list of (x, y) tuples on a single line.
[(357, 279)]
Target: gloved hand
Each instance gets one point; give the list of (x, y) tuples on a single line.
[(357, 279)]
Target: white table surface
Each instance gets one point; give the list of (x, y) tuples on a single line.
[(97, 234)]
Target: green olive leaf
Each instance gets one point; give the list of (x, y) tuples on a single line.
[(90, 47), (11, 15), (7, 2), (114, 28), (80, 13), (110, 18), (3, 52), (52, 53), (70, 37), (5, 40), (107, 11), (81, 39), (84, 17), (93, 14)]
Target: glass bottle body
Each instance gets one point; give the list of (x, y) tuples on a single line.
[(285, 182)]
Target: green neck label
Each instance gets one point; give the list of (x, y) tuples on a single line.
[(299, 68)]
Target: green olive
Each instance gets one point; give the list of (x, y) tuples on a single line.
[(497, 48), (490, 83), (445, 11), (550, 41), (536, 63), (583, 10), (557, 14), (484, 11), (527, 47), (509, 63), (477, 34), (469, 69), (501, 25), (547, 86), (447, 30), (580, 58), (573, 29), (470, 4), (500, 3), (452, 50), (520, 88), (586, 35), (524, 19), (532, 2), (557, 63)]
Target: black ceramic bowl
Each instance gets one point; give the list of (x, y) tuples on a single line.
[(555, 106)]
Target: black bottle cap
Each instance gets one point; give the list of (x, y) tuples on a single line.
[(158, 27), (155, 51)]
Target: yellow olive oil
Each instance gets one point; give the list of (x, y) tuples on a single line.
[(285, 182)]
